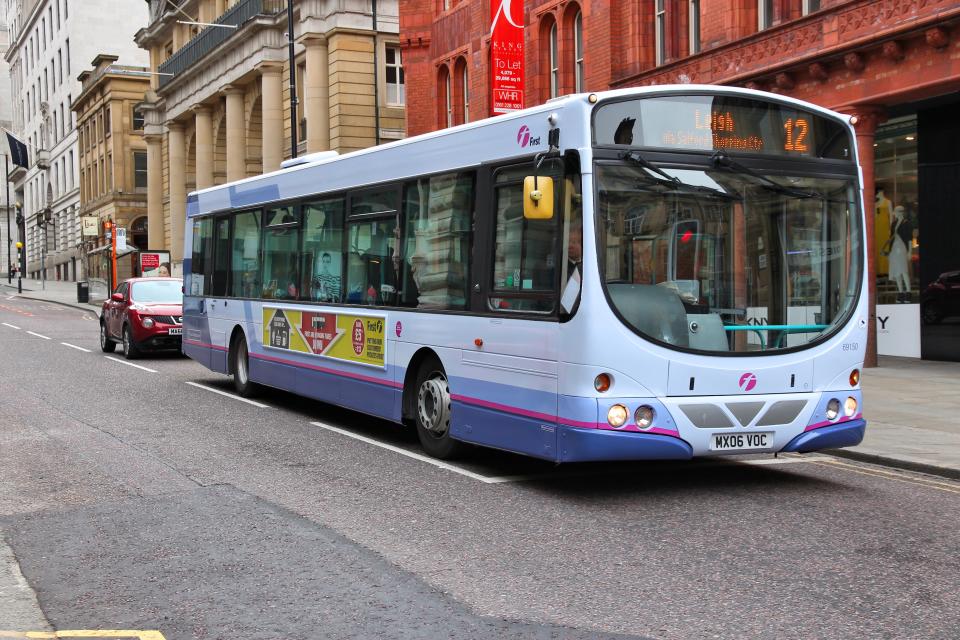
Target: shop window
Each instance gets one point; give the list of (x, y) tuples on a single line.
[(895, 207)]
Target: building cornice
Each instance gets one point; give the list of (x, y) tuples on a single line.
[(829, 33)]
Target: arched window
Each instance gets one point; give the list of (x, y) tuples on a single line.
[(445, 101), (578, 52), (462, 92)]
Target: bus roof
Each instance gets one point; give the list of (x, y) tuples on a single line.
[(512, 135)]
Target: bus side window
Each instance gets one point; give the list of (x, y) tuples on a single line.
[(322, 251), (436, 243), (202, 253), (245, 259), (281, 241), (373, 258), (525, 261)]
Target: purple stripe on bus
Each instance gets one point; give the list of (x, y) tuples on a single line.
[(197, 343), (502, 407), (827, 423), (355, 376)]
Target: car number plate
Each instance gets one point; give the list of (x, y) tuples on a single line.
[(736, 441), (176, 331)]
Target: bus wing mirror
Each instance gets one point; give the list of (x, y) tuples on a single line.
[(538, 198)]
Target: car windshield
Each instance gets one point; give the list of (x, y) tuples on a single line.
[(157, 291), (725, 259)]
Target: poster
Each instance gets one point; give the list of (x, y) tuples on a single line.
[(506, 43), (154, 263), (341, 336), (91, 226)]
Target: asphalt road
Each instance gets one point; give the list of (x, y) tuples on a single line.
[(134, 499)]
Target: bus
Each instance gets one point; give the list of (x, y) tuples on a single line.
[(649, 273)]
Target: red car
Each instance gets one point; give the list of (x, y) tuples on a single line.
[(143, 314)]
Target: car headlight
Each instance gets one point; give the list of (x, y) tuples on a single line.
[(617, 416), (850, 407), (644, 416), (833, 409), (147, 322)]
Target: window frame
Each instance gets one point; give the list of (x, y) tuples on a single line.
[(660, 31)]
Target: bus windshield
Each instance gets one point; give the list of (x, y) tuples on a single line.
[(727, 260)]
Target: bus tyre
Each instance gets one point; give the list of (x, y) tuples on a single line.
[(433, 404), (240, 366), (130, 349), (106, 344)]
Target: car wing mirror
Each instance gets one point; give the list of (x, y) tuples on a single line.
[(117, 296)]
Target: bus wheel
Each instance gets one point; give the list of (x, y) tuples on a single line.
[(433, 411), (240, 366)]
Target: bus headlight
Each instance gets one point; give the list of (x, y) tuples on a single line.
[(644, 416), (617, 416), (147, 322), (850, 406), (833, 409)]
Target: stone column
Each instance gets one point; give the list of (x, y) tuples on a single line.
[(868, 117), (271, 100), (204, 123), (178, 189), (316, 95), (236, 138), (155, 232)]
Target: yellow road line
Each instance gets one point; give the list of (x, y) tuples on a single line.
[(949, 487), (79, 633)]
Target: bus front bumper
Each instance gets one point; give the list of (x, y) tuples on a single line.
[(845, 434)]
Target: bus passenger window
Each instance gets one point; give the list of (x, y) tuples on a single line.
[(245, 262), (373, 262), (435, 254), (281, 242), (202, 238), (322, 251)]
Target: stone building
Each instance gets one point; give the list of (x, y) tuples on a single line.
[(48, 39), (893, 63), (218, 109), (112, 164)]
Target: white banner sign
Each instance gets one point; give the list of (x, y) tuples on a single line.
[(91, 226), (121, 239), (898, 330)]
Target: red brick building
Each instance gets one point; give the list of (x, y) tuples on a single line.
[(894, 63)]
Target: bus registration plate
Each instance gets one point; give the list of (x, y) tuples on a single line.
[(736, 441)]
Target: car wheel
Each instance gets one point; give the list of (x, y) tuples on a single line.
[(106, 344), (240, 366), (433, 409), (130, 349)]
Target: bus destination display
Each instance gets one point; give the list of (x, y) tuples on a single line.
[(715, 123)]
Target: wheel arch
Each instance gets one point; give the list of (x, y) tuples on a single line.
[(408, 406), (236, 332)]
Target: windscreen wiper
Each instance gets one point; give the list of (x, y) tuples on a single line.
[(673, 182), (724, 162)]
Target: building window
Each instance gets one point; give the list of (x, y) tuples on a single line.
[(465, 84), (554, 62), (106, 121), (809, 6), (140, 169), (449, 99), (301, 115), (694, 26), (578, 52), (764, 14), (660, 31), (396, 93), (137, 119)]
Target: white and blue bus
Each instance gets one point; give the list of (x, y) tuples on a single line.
[(652, 273)]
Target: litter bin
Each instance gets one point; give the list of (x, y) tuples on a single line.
[(83, 292)]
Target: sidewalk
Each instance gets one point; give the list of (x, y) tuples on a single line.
[(912, 406)]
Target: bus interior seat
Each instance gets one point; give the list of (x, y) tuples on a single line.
[(709, 334), (653, 310)]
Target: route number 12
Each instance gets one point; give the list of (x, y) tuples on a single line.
[(796, 131)]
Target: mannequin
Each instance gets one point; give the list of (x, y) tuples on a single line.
[(881, 228), (898, 249)]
